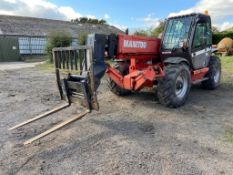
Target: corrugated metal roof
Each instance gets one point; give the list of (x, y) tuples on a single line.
[(27, 26)]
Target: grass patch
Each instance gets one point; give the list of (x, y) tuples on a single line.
[(47, 67), (34, 58), (109, 61), (227, 64), (228, 135), (227, 71)]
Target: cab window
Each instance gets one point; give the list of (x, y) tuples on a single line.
[(202, 36), (177, 30)]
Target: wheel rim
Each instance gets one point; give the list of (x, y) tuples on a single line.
[(181, 85), (217, 76)]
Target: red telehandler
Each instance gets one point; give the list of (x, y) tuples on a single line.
[(181, 58)]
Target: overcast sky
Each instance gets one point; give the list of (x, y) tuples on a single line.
[(121, 13)]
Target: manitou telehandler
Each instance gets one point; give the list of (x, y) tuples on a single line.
[(182, 56)]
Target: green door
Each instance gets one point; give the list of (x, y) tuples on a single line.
[(9, 48)]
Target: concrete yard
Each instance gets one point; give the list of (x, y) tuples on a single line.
[(17, 65)]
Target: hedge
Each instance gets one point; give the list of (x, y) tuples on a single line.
[(217, 37), (57, 39)]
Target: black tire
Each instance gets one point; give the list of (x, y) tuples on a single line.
[(214, 74), (123, 69), (173, 89)]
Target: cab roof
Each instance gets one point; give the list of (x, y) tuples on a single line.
[(188, 15)]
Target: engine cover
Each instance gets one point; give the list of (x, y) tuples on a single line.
[(128, 44)]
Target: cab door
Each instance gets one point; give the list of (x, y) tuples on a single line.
[(201, 45)]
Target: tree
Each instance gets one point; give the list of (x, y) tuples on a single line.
[(141, 32), (158, 30), (93, 21), (102, 21), (153, 32), (83, 20), (229, 29), (82, 38), (215, 29), (89, 20), (57, 39)]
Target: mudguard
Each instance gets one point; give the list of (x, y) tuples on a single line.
[(175, 60)]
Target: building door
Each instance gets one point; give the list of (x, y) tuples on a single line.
[(9, 49)]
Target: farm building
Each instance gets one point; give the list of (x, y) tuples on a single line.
[(25, 36)]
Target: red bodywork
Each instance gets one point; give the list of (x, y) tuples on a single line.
[(145, 63), (138, 45)]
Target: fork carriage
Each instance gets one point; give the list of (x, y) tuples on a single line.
[(76, 84)]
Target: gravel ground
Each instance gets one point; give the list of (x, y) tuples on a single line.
[(129, 135)]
